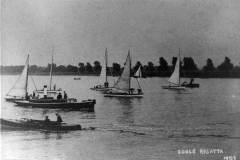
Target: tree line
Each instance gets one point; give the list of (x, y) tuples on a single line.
[(188, 69)]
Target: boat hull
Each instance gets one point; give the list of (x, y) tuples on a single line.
[(30, 124), (9, 99), (123, 95), (195, 85), (174, 87), (86, 105), (101, 89)]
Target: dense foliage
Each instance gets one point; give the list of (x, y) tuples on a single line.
[(163, 69)]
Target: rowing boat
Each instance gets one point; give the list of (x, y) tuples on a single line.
[(31, 124)]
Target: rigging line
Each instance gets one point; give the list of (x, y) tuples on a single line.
[(34, 83), (138, 83), (14, 84), (18, 77), (51, 69)]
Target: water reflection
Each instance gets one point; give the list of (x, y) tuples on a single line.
[(126, 113), (58, 135)]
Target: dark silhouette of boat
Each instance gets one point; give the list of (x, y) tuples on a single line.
[(77, 78), (50, 103), (31, 124), (190, 84)]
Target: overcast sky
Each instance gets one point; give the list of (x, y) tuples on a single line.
[(80, 30)]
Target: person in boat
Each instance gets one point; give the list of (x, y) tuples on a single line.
[(45, 91), (59, 96), (131, 90), (47, 120), (65, 95), (33, 95), (59, 118), (191, 81), (106, 84), (27, 96), (54, 87), (139, 91)]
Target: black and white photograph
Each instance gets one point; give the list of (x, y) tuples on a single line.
[(120, 80)]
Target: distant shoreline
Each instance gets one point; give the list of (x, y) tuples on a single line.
[(96, 75), (188, 69)]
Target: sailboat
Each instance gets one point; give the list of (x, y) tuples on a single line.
[(52, 99), (77, 78), (103, 79), (50, 92), (174, 80), (122, 88), (19, 89)]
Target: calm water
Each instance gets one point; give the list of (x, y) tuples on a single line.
[(153, 127)]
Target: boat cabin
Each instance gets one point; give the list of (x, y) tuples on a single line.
[(45, 93)]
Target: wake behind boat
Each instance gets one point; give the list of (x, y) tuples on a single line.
[(42, 125), (122, 88), (174, 80)]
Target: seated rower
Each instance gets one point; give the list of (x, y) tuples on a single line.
[(191, 81), (59, 118)]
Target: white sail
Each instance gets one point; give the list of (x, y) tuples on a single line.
[(138, 74), (103, 75), (19, 89), (123, 82), (175, 77)]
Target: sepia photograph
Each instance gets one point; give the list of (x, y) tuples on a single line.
[(120, 80)]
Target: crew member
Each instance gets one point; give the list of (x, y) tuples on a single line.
[(139, 91), (59, 96), (27, 96), (47, 120), (59, 118), (191, 81), (64, 95), (33, 95), (106, 84), (45, 91)]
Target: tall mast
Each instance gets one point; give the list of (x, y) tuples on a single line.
[(26, 84), (106, 63), (179, 67), (129, 69), (50, 85)]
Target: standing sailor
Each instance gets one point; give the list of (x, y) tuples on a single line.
[(45, 91), (64, 95)]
